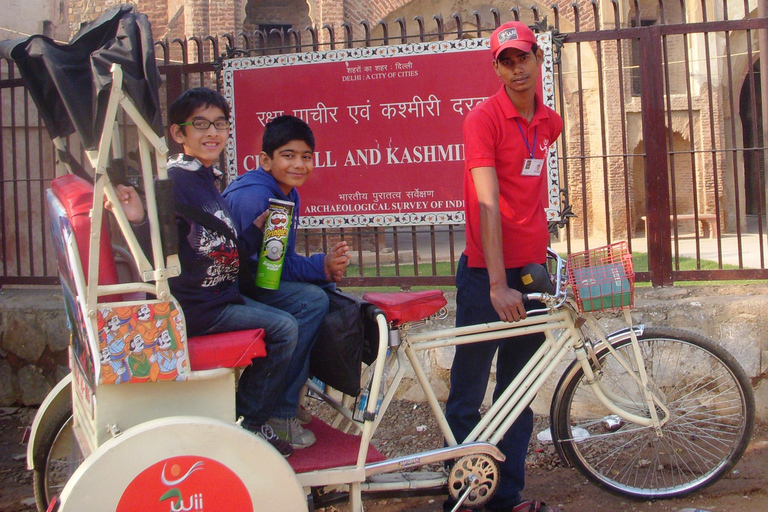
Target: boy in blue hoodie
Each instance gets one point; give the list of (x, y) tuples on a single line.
[(286, 161)]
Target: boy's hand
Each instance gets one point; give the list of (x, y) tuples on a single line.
[(336, 262), (261, 220), (130, 202)]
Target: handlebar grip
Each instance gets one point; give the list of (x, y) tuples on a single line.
[(166, 212), (533, 296), (371, 311)]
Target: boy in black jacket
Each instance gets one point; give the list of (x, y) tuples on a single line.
[(207, 287)]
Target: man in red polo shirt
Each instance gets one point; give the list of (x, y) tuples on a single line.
[(506, 140)]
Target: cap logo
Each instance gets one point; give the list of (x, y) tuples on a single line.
[(509, 34)]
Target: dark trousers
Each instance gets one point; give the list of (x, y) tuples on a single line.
[(470, 372)]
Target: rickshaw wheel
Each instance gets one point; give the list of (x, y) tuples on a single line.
[(56, 457), (481, 472), (176, 463)]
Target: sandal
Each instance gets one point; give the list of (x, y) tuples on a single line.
[(534, 506)]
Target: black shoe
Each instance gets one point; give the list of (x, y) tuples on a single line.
[(265, 432)]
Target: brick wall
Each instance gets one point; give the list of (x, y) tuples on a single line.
[(83, 11), (178, 18)]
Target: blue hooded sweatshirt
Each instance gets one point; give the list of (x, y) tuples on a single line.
[(248, 197)]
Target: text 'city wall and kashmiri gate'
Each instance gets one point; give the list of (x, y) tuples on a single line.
[(387, 122)]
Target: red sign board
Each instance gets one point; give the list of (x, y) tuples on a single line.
[(387, 122)]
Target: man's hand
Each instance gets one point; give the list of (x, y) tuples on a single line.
[(130, 202), (336, 262), (508, 303)]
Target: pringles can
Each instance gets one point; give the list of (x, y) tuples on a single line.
[(273, 248)]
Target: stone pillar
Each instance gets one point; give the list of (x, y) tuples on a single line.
[(329, 12)]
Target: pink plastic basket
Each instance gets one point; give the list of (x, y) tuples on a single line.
[(602, 279)]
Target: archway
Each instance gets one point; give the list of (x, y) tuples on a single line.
[(276, 15), (750, 107)]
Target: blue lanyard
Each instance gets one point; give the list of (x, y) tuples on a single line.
[(525, 139)]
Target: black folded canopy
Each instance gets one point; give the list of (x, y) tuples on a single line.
[(70, 83)]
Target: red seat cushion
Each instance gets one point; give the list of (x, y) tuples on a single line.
[(76, 195), (226, 350), (401, 307)]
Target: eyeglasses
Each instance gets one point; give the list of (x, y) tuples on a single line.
[(204, 124)]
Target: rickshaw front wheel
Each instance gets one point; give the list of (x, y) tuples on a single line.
[(56, 457)]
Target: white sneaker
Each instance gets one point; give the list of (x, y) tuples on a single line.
[(291, 430)]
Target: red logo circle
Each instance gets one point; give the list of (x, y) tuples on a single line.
[(187, 483)]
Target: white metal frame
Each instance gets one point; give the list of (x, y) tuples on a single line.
[(558, 322)]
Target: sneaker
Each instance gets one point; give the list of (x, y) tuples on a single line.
[(291, 430), (265, 432), (303, 415)]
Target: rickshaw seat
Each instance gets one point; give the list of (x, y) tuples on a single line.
[(402, 307), (226, 350), (76, 195)]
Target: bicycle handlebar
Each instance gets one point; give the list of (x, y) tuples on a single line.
[(556, 299)]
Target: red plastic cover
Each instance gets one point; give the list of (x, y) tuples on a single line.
[(76, 195)]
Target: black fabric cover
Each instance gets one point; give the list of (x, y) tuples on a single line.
[(345, 339), (70, 83)]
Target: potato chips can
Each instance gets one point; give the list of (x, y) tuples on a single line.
[(272, 255)]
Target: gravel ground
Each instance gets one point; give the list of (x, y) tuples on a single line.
[(744, 489), (409, 428)]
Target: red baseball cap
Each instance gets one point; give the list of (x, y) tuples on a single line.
[(513, 34)]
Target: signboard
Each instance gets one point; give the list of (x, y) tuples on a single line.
[(387, 122)]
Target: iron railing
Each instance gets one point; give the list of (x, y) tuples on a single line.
[(662, 145)]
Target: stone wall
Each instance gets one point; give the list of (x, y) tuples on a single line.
[(34, 337), (33, 344)]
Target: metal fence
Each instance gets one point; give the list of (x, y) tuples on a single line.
[(663, 142)]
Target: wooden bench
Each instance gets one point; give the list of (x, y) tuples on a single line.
[(708, 222)]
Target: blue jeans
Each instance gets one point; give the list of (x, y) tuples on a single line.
[(261, 384), (308, 304), (470, 372)]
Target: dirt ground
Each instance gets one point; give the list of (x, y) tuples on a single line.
[(408, 428), (16, 493)]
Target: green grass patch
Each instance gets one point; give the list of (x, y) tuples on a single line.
[(443, 268), (640, 263)]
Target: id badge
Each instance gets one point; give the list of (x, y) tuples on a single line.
[(532, 167)]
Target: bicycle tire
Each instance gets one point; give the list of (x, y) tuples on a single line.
[(56, 457), (711, 406)]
